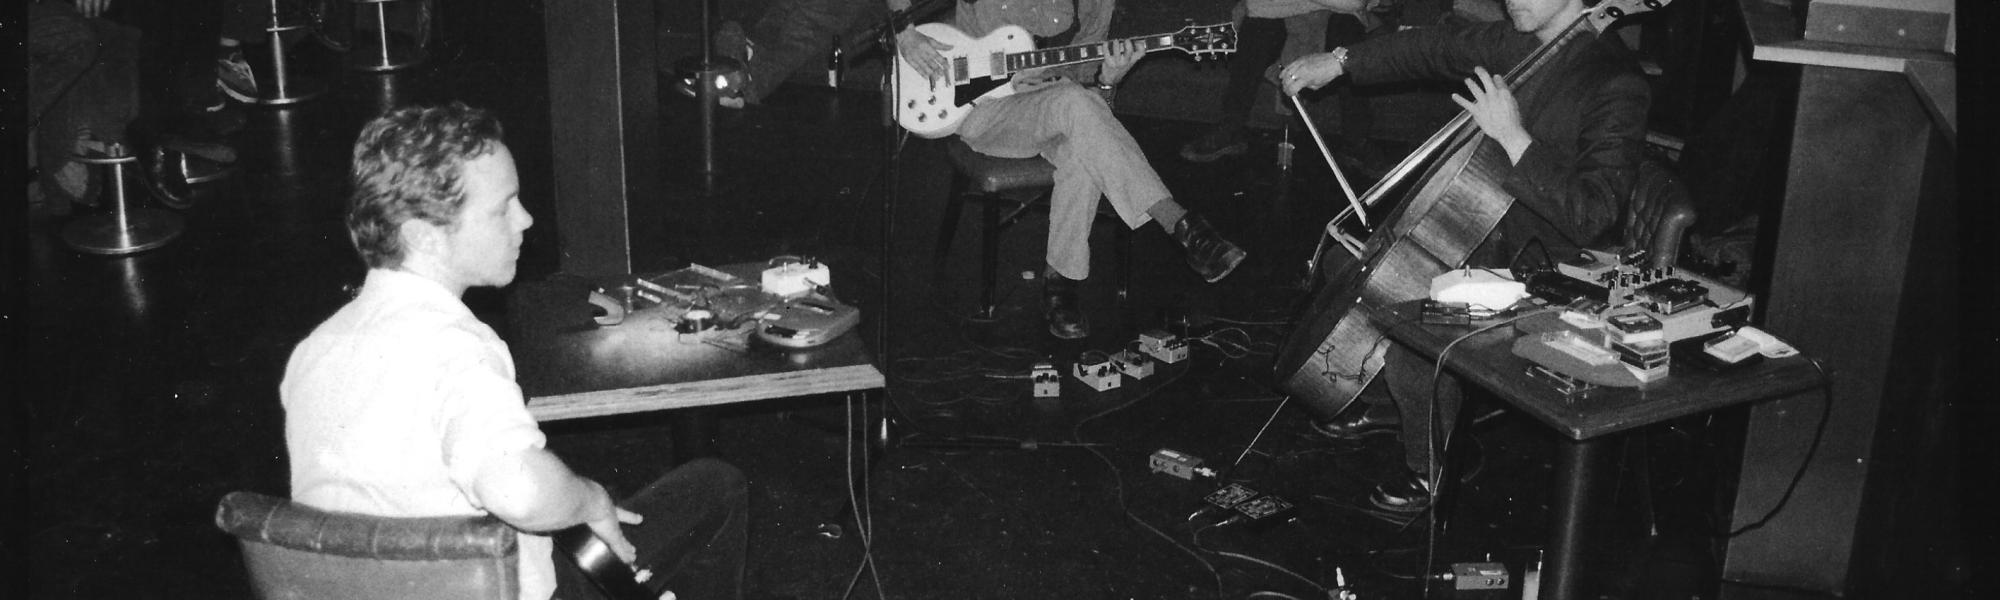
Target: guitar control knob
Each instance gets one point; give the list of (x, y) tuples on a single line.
[(933, 100), (913, 103), (921, 117), (941, 114)]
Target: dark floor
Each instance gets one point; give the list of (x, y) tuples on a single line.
[(152, 378)]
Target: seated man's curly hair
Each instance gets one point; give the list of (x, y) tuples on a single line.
[(407, 165)]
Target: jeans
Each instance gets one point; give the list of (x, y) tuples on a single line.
[(692, 538), (1094, 157)]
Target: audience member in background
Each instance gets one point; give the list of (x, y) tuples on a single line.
[(83, 92), (788, 36), (1261, 41)]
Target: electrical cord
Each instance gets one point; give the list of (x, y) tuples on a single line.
[(1118, 479), (864, 518), (1194, 538), (1440, 447), (1825, 414)]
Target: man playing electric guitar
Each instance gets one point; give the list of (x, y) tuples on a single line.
[(1055, 117)]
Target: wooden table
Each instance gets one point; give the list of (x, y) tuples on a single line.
[(571, 368), (1585, 423)]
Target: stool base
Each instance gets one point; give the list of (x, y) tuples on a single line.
[(297, 89), (144, 229)]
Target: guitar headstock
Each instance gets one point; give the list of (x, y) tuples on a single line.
[(1610, 11), (1202, 41)]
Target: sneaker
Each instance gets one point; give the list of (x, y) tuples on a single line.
[(1219, 142), (1211, 257), (233, 77)]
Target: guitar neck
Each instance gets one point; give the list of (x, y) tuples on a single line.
[(1081, 53)]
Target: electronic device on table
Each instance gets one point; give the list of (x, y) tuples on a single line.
[(807, 321), (1684, 303)]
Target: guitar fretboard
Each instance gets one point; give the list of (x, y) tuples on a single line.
[(1081, 53)]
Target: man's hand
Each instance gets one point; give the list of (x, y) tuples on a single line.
[(1124, 54), (1492, 106), (1311, 71), (92, 8), (924, 54), (608, 525)]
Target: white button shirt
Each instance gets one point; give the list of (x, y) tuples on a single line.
[(394, 404)]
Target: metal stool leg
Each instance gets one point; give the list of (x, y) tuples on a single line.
[(390, 54), (285, 87), (125, 229)]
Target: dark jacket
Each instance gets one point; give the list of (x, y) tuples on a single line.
[(1586, 113)]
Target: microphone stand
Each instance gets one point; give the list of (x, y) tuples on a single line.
[(884, 34)]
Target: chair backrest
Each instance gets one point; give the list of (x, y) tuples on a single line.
[(293, 551), (1658, 214)]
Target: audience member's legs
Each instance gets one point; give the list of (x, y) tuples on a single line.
[(791, 35), (693, 537), (1259, 44)]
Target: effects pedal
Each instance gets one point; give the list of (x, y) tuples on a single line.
[(1178, 464), (1094, 369), (1162, 346), (1133, 363), (1046, 380)]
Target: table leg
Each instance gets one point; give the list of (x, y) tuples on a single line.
[(1576, 474)]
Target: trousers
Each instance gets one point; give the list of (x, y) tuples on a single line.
[(1094, 156), (692, 537)]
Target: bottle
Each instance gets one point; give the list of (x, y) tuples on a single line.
[(833, 65)]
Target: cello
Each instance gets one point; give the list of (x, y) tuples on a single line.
[(1447, 212)]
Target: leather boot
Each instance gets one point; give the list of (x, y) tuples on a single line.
[(1061, 308), (1211, 257)]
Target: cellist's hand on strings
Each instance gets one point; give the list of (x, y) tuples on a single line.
[(1311, 71), (1492, 107)]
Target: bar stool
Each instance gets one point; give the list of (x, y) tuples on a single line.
[(126, 229), (391, 50), (1019, 184), (285, 87)]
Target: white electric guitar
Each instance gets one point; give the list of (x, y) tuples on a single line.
[(982, 68)]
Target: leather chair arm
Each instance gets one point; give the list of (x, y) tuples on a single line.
[(262, 518)]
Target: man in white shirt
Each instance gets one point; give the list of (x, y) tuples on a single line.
[(404, 404)]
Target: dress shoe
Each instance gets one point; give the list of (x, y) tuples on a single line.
[(1211, 257), (1061, 308), (1354, 424), (1407, 493)]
